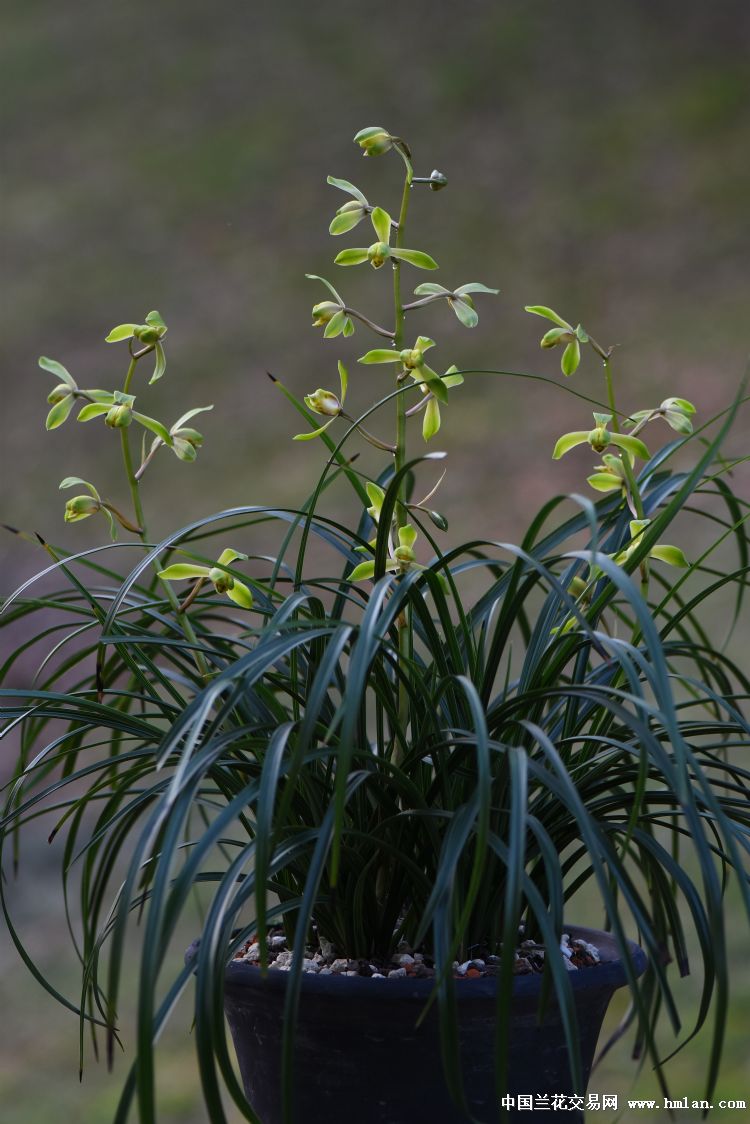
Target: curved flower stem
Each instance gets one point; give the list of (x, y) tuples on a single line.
[(373, 440), (370, 323), (426, 300)]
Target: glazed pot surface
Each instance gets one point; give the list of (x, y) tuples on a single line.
[(360, 1058)]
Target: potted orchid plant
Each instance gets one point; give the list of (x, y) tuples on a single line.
[(394, 778)]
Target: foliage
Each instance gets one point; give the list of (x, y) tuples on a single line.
[(442, 744)]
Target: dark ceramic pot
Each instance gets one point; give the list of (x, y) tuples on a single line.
[(360, 1059)]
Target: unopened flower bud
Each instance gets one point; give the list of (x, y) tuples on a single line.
[(577, 587), (323, 402), (80, 507), (119, 417), (378, 253), (437, 180), (374, 141), (324, 312)]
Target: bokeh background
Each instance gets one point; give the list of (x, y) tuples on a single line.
[(173, 155)]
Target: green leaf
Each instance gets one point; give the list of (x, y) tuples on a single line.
[(672, 555), (431, 422), (93, 410), (467, 315), (569, 441), (345, 221), (474, 287), (349, 188), (59, 412), (632, 444), (181, 571), (380, 355), (328, 285), (571, 357), (161, 363), (381, 222), (415, 257), (354, 256), (121, 332), (431, 289), (57, 369), (335, 325), (549, 314), (241, 595)]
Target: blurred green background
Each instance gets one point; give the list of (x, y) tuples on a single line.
[(173, 155)]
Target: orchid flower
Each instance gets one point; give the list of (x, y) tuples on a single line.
[(381, 251), (220, 578)]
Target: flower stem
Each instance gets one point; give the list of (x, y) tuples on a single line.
[(402, 514), (135, 493), (369, 323)]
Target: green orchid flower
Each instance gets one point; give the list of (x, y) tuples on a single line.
[(182, 439), (327, 404), (222, 581), (82, 506), (151, 333), (349, 214), (62, 397), (331, 315), (611, 475), (562, 335), (676, 412), (432, 419), (458, 299), (600, 438), (374, 140), (412, 363), (672, 555), (118, 411), (401, 558), (381, 251)]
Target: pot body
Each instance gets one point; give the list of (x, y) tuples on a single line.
[(360, 1057)]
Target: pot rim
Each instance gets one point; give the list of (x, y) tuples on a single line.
[(608, 975)]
